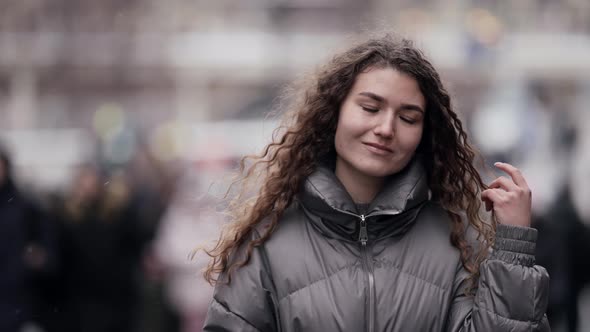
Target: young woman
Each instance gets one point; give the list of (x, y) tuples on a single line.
[(368, 215)]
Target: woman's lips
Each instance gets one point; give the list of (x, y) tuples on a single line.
[(378, 148)]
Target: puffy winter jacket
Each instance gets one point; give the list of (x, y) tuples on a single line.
[(328, 267)]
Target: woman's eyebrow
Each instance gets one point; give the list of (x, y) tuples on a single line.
[(378, 98), (371, 95), (411, 107)]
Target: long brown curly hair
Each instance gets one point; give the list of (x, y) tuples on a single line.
[(306, 138)]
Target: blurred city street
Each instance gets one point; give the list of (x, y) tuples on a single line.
[(121, 123)]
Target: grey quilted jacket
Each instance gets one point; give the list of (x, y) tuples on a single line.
[(328, 267)]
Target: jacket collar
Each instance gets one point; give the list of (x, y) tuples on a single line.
[(329, 206)]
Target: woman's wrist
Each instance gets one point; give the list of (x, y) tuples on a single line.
[(515, 244)]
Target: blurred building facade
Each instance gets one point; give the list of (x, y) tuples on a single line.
[(64, 63)]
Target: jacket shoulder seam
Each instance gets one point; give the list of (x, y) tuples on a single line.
[(235, 314)]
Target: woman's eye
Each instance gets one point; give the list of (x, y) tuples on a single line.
[(369, 109), (408, 120)]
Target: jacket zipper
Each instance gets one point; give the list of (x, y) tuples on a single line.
[(366, 261), (368, 265)]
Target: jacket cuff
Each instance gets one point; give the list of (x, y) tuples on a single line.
[(515, 245)]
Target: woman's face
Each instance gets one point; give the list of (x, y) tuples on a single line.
[(380, 125)]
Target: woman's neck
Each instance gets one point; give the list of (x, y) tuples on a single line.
[(360, 187)]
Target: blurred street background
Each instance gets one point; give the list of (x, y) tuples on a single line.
[(119, 122)]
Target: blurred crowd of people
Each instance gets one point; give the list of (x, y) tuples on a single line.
[(106, 254)]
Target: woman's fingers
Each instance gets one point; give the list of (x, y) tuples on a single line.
[(519, 186), (492, 197), (495, 196), (510, 199), (514, 173), (504, 183)]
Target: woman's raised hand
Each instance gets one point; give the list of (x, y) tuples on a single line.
[(510, 199)]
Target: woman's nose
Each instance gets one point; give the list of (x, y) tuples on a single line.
[(384, 128)]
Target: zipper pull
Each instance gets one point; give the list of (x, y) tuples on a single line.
[(363, 235)]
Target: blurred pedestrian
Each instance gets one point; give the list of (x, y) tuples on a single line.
[(190, 219), (101, 254), (364, 215), (27, 253), (564, 248)]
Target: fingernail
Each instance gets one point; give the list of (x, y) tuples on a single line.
[(497, 163)]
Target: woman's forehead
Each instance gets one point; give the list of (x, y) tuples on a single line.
[(388, 85)]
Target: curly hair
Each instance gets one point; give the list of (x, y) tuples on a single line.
[(306, 138)]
